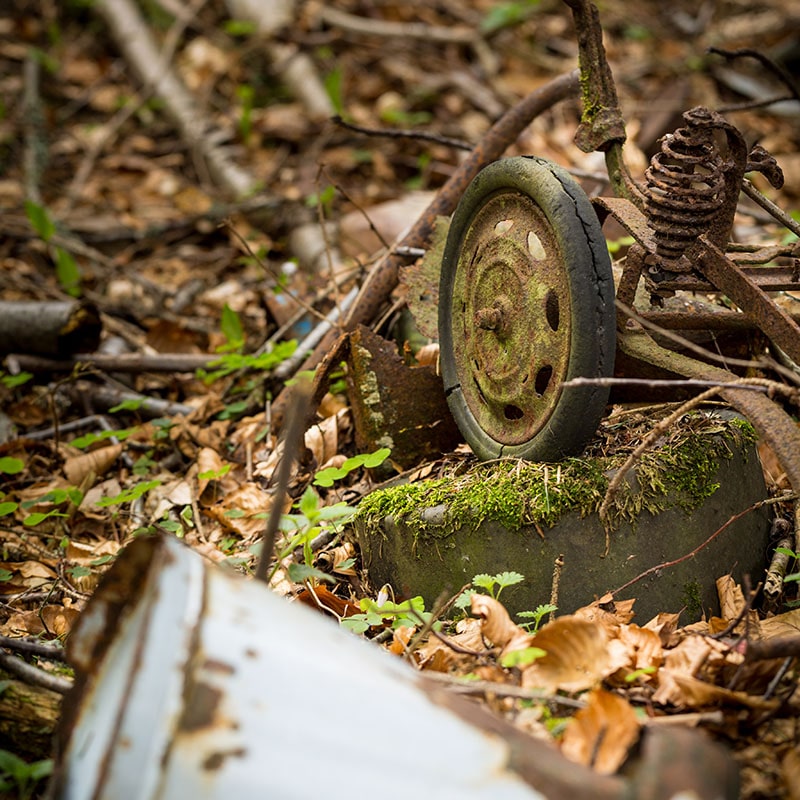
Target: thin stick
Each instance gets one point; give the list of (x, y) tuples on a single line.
[(33, 675), (295, 427), (701, 546)]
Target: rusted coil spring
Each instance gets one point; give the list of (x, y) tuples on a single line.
[(685, 189)]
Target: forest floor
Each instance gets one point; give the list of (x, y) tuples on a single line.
[(107, 200)]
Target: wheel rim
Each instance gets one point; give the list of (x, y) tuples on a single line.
[(510, 318)]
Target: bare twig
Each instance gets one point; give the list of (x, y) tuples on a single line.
[(33, 647), (667, 564), (393, 133), (296, 422), (656, 383), (458, 34), (34, 676)]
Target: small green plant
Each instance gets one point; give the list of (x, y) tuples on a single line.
[(233, 362), (333, 83), (521, 658), (240, 27), (246, 95), (327, 476), (492, 584), (506, 15), (128, 495), (11, 466), (303, 527), (21, 777), (67, 271), (13, 381), (232, 329), (88, 439), (536, 616), (323, 199), (68, 498), (409, 613)]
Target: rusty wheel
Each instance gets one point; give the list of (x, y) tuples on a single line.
[(526, 302)]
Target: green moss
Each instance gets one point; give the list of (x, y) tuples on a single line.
[(516, 494), (692, 600)]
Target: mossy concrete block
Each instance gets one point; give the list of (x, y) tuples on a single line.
[(427, 537)]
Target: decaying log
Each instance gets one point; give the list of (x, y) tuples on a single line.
[(49, 328), (28, 717)]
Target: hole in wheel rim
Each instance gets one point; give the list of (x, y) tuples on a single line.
[(551, 310), (513, 413), (543, 379)]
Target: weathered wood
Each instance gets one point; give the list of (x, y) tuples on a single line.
[(28, 717), (48, 328)]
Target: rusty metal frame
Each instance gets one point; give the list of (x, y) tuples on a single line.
[(709, 265)]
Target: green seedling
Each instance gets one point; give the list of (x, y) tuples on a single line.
[(521, 658), (88, 439), (232, 329), (70, 498), (536, 616), (409, 613), (233, 362), (11, 466), (304, 526), (128, 495), (67, 271), (506, 15), (329, 475), (20, 777), (13, 381)]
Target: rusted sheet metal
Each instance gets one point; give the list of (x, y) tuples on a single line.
[(773, 424), (771, 318), (396, 406), (630, 217), (194, 682)]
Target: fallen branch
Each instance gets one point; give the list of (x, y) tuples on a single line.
[(125, 362), (48, 328), (140, 50), (383, 277)]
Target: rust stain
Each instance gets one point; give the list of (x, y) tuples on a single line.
[(215, 761), (219, 667), (200, 708)]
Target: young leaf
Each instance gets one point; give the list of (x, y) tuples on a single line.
[(67, 272), (231, 326), (40, 220), (11, 466), (303, 572)]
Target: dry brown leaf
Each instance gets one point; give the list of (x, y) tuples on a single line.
[(85, 553), (731, 597), (498, 627), (643, 645), (601, 734), (790, 768), (787, 624), (665, 625), (436, 655), (400, 638), (77, 468), (577, 657), (684, 691), (237, 510), (52, 619), (208, 462)]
